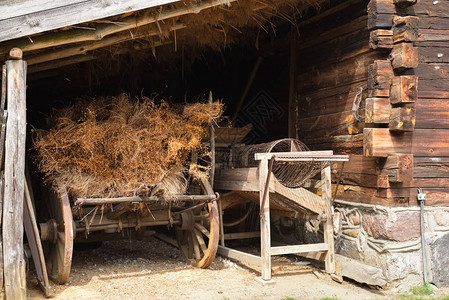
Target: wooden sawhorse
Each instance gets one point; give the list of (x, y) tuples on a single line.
[(264, 261)]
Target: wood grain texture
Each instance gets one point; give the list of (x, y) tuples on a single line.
[(430, 113), (75, 13), (399, 167), (14, 264), (380, 142), (377, 111), (405, 29), (404, 89), (329, 261), (381, 39), (265, 235), (402, 119), (404, 56)]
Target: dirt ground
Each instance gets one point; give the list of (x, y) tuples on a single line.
[(153, 269)]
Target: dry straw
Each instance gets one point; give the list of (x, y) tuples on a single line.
[(112, 147)]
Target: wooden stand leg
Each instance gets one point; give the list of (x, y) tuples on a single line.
[(328, 225), (220, 211), (265, 237)]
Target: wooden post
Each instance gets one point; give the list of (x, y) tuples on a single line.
[(212, 147), (2, 177), (14, 264), (265, 242), (328, 225), (292, 100)]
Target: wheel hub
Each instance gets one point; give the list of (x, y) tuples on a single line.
[(49, 231), (187, 220)]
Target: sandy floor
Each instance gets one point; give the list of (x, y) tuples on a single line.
[(152, 269)]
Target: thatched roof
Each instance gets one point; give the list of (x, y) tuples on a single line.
[(187, 24)]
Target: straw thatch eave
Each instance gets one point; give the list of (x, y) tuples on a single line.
[(213, 24)]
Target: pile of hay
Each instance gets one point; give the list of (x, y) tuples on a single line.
[(114, 147)]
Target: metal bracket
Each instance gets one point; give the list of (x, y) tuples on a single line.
[(421, 195)]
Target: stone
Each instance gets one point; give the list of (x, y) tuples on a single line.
[(354, 218), (351, 232), (405, 228), (440, 261), (441, 218), (360, 272), (347, 248), (401, 265)]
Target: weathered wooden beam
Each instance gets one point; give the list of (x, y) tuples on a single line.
[(64, 16), (241, 235), (380, 74), (430, 113), (330, 11), (342, 30), (55, 64), (432, 34), (331, 78), (404, 89), (241, 256), (380, 142), (404, 55), (14, 263), (15, 8), (265, 233), (381, 39), (103, 30), (399, 167), (328, 228), (293, 249), (402, 119), (384, 21), (381, 12), (331, 124), (344, 143), (377, 110), (405, 29), (404, 3), (59, 63), (422, 7)]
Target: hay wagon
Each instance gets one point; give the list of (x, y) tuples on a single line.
[(157, 187), (194, 219)]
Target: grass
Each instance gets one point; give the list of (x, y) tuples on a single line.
[(423, 289), (412, 297)]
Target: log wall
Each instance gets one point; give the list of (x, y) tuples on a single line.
[(395, 54)]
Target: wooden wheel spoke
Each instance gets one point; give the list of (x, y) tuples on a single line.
[(203, 229), (189, 245), (202, 217), (200, 240), (200, 244), (60, 256), (185, 238), (196, 248)]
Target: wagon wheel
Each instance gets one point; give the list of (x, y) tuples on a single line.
[(198, 235), (58, 231)]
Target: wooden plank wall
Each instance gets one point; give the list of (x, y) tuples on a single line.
[(332, 71), (397, 51)]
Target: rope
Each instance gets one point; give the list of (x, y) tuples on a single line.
[(356, 104)]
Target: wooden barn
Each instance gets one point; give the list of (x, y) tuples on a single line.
[(367, 79)]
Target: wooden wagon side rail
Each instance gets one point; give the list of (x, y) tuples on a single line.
[(139, 199)]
